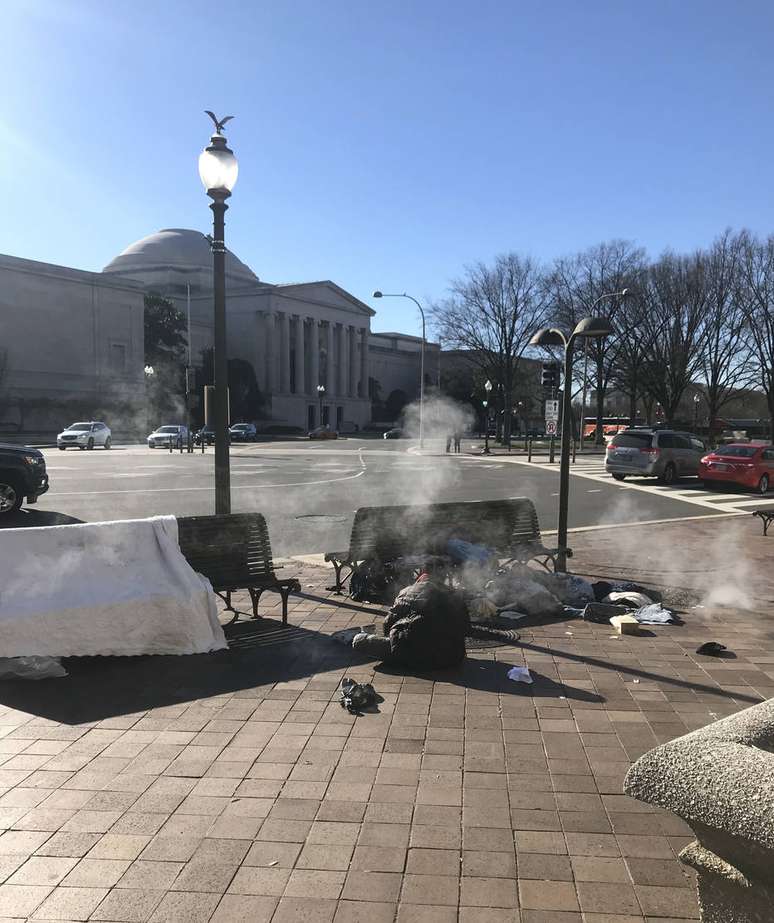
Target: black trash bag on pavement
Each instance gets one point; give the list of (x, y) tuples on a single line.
[(427, 625), (357, 696), (711, 649)]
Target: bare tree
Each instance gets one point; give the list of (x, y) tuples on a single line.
[(724, 355), (492, 313), (757, 295), (576, 284), (673, 325)]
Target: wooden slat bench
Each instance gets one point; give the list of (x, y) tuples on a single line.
[(386, 533), (766, 517), (234, 553)]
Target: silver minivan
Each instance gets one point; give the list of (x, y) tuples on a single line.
[(665, 454)]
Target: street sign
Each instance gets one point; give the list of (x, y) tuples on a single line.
[(550, 427), (552, 410)]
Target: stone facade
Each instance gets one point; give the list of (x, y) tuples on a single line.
[(78, 336), (71, 344)]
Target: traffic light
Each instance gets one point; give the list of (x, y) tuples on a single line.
[(550, 375)]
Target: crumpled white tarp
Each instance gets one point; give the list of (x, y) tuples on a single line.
[(119, 587)]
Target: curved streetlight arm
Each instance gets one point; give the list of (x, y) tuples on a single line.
[(378, 294)]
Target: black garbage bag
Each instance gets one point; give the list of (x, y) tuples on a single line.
[(357, 696), (373, 582), (427, 625), (711, 649)]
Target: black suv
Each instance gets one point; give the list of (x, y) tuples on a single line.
[(22, 474)]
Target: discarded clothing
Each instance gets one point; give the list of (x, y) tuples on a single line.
[(373, 582), (462, 552), (628, 598), (602, 589), (711, 649), (569, 589), (654, 614), (357, 696), (426, 626), (524, 594), (601, 613), (31, 668), (519, 675)]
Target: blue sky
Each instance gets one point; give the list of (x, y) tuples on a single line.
[(386, 144)]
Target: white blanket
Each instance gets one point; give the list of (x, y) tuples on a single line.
[(103, 588)]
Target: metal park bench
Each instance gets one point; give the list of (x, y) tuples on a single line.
[(766, 517), (387, 533), (234, 553)]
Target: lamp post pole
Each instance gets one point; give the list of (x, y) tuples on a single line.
[(589, 327), (320, 395), (485, 405), (218, 170), (378, 294)]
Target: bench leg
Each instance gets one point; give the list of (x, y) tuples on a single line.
[(766, 524), (255, 596), (284, 593), (338, 586)]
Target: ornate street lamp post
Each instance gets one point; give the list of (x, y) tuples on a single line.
[(321, 395), (488, 388), (218, 170)]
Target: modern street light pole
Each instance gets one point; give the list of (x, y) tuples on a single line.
[(589, 327), (218, 170), (378, 294), (320, 395)]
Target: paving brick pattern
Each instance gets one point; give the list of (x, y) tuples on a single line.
[(235, 788)]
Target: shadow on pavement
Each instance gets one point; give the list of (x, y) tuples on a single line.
[(26, 519)]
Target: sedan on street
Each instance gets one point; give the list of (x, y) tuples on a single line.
[(84, 436), (165, 436), (744, 464), (323, 432), (243, 432)]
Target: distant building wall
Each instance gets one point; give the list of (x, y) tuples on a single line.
[(71, 339)]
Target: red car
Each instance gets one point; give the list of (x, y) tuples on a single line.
[(741, 463)]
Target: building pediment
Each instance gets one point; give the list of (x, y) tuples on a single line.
[(325, 293)]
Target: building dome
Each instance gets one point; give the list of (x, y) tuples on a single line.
[(179, 250)]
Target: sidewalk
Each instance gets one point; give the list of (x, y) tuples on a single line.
[(233, 787)]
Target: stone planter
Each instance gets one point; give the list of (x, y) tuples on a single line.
[(720, 780)]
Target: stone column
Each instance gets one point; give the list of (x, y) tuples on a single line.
[(284, 352), (300, 383), (363, 362), (341, 351), (314, 356), (260, 351), (352, 384), (330, 383), (270, 325)]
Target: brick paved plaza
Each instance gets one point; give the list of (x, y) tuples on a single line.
[(232, 786)]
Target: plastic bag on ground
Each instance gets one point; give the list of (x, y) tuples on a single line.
[(481, 609), (31, 668), (570, 589), (655, 614), (519, 675), (601, 613)]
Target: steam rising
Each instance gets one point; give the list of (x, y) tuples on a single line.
[(442, 417)]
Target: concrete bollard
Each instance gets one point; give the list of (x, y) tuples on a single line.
[(720, 781)]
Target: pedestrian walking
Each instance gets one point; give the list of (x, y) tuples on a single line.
[(457, 441), (448, 443)]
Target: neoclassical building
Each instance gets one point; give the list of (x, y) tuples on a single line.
[(296, 336)]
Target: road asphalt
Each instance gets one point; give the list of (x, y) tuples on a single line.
[(309, 491)]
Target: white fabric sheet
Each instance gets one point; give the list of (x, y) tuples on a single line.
[(119, 587)]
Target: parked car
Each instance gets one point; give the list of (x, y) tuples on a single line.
[(396, 433), (84, 436), (323, 432), (22, 474), (655, 453), (164, 436), (243, 432), (207, 434), (739, 463)]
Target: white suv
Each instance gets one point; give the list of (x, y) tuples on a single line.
[(84, 436)]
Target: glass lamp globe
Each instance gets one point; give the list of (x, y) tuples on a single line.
[(218, 168)]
